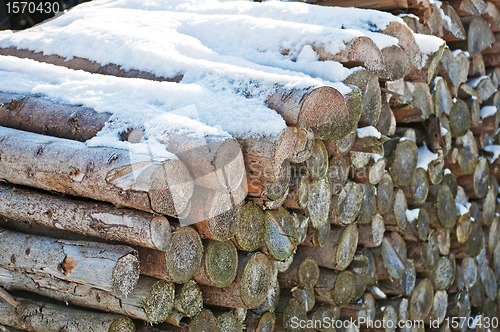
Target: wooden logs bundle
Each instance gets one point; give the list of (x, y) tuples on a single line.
[(376, 204)]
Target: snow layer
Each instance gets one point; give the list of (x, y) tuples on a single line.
[(368, 131), (495, 149), (487, 111), (188, 108), (428, 44), (475, 81), (412, 214), (425, 156)]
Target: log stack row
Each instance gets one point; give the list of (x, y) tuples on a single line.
[(380, 204)]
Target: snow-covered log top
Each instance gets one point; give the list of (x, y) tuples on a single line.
[(224, 52)]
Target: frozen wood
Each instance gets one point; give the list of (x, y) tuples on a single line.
[(416, 193), (219, 263), (431, 20), (429, 68), (338, 172), (106, 174), (463, 159), (272, 298), (402, 286), (260, 323), (342, 146), (401, 158), (368, 204), (367, 82), (406, 41), (108, 267), (35, 316), (467, 8), (97, 220), (151, 300), (180, 262), (359, 51), (318, 203), (424, 254), (250, 287), (396, 215), (298, 194), (387, 122), (338, 251), (477, 68), (317, 163)]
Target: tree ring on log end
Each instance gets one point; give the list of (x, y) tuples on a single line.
[(183, 257), (255, 280), (126, 274), (221, 262)]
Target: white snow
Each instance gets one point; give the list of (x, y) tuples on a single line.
[(461, 197), (495, 149), (444, 131), (461, 210), (425, 156), (412, 214), (369, 131), (375, 156), (409, 15), (428, 44), (488, 111), (134, 102), (446, 171), (475, 81)]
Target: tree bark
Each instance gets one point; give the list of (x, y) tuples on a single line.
[(111, 268), (44, 317), (180, 262), (97, 220), (105, 174)]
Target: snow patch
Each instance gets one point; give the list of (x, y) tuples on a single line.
[(425, 156), (487, 111), (412, 214), (428, 44), (369, 131), (495, 149)]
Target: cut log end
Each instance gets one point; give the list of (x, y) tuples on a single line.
[(255, 280), (220, 262), (250, 228), (159, 302), (183, 258)]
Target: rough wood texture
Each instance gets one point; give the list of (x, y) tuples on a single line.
[(151, 300), (44, 317), (97, 220), (479, 36), (105, 174), (180, 262), (111, 268)]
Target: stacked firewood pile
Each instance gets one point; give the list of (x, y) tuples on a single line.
[(379, 204)]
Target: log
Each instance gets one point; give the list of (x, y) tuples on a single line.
[(385, 193), (215, 214), (338, 172), (387, 122), (342, 146), (439, 307), (421, 300), (215, 161), (372, 173), (111, 268), (99, 173), (260, 323), (35, 316), (397, 63), (272, 298), (401, 158), (318, 203), (151, 300), (425, 254), (268, 172), (463, 159), (346, 120), (250, 228), (419, 108), (396, 216), (335, 288), (368, 205), (476, 184), (303, 145), (317, 164), (228, 321), (338, 251), (477, 68), (380, 5), (280, 235), (444, 273), (467, 8), (345, 207), (219, 264), (431, 20), (453, 29), (479, 36), (367, 82), (359, 159), (442, 97), (416, 194), (459, 118), (250, 287), (492, 15), (97, 220), (303, 273), (359, 51), (371, 235), (180, 262), (406, 41), (39, 115)]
